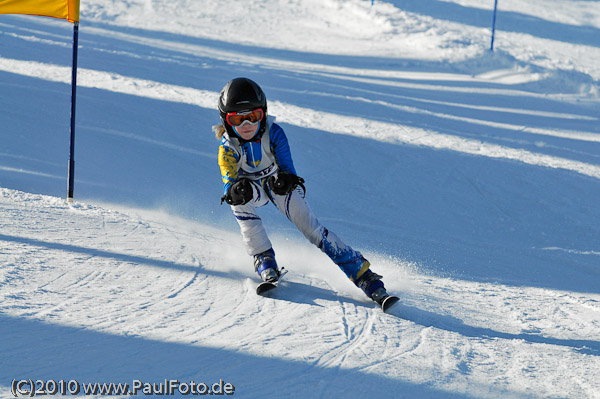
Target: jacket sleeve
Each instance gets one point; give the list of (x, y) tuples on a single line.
[(281, 149), (228, 163)]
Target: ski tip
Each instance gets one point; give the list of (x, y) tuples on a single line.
[(389, 302)]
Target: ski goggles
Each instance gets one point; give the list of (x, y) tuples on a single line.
[(237, 118)]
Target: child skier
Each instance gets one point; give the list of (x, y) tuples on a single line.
[(257, 168)]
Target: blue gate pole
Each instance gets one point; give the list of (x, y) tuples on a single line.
[(71, 177), (494, 24)]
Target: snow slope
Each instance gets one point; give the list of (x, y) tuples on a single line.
[(99, 295), (470, 179)]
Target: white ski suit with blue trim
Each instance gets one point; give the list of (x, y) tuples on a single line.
[(258, 160)]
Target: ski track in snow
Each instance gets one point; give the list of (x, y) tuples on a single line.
[(88, 269)]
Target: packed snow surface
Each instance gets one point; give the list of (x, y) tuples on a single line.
[(469, 178)]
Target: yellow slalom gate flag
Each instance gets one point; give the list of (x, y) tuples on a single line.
[(63, 9)]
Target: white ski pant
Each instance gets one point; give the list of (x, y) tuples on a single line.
[(296, 209)]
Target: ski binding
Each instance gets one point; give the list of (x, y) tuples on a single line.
[(266, 286)]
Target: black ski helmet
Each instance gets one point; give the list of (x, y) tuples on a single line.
[(242, 94)]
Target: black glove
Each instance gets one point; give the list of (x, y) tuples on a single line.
[(239, 193), (283, 183)]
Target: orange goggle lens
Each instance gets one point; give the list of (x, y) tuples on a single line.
[(237, 118)]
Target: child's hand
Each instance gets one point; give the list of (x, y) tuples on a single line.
[(239, 193), (283, 183)]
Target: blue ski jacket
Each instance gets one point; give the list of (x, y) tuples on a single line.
[(255, 160)]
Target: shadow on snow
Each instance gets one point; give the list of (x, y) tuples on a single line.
[(509, 21), (467, 216), (38, 350)]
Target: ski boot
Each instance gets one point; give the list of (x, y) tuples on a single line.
[(266, 266), (372, 286)]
